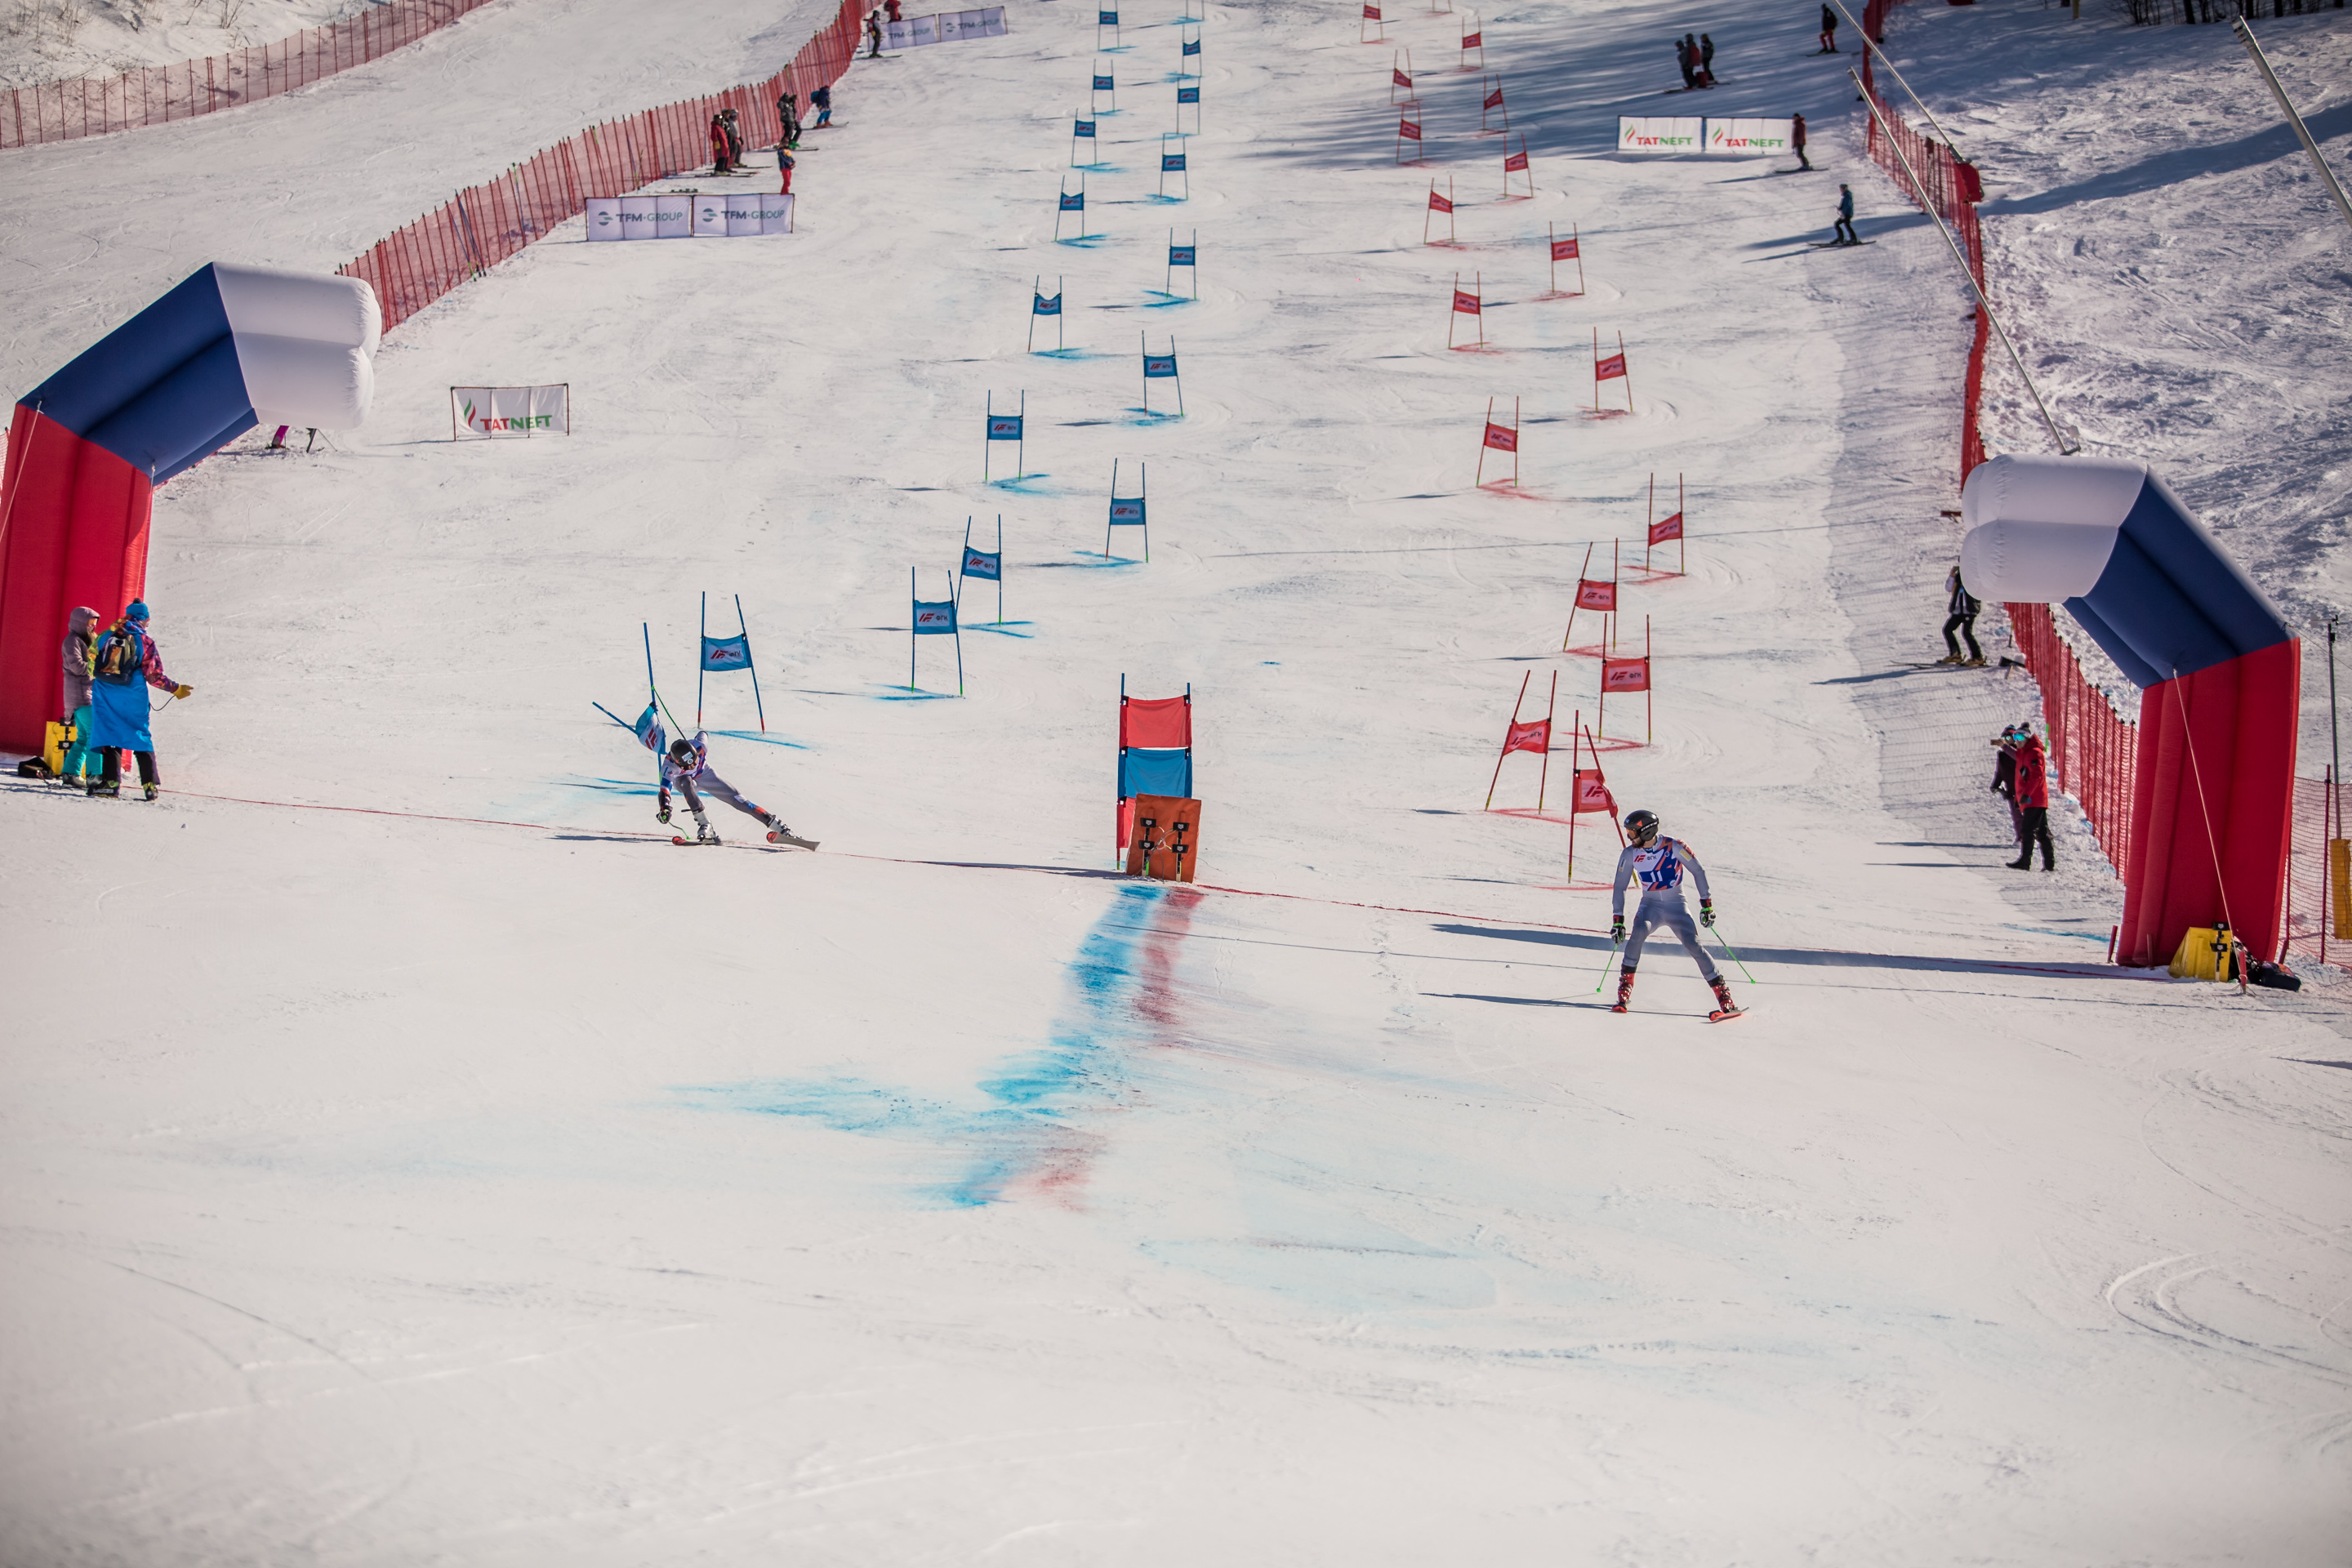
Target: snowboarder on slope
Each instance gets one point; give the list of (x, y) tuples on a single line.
[(688, 760), (80, 647), (1829, 32), (1844, 232), (126, 664), (1659, 862), (1797, 140), (2033, 805)]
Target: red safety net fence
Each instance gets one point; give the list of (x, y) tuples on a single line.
[(2318, 820), (478, 228), (2094, 749), (151, 95)]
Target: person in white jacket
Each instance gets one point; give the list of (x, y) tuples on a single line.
[(688, 762), (1659, 863)]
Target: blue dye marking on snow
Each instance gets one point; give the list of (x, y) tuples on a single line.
[(1025, 1121), (610, 787), (1085, 241), (1030, 485), (762, 736)]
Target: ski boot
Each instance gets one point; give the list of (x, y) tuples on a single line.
[(104, 791), (1949, 658), (152, 790), (704, 834), (1976, 663), (1624, 992), (1724, 1007), (778, 833)]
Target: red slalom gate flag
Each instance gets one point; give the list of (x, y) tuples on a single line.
[(1608, 369), (1667, 527), (1564, 250), (1592, 595), (1371, 13), (1493, 99), (1515, 163), (1501, 439), (1625, 675), (1399, 79), (1438, 204), (1533, 736), (1592, 793), (1474, 40), (1465, 302), (1409, 129)]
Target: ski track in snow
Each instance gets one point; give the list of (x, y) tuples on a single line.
[(387, 1190)]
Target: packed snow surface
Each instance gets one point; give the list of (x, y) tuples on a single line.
[(396, 1184)]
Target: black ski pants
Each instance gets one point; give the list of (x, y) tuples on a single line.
[(2035, 829), (1844, 232), (1967, 627), (111, 765)]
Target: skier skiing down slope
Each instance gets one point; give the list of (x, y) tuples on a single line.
[(1659, 862), (689, 760)]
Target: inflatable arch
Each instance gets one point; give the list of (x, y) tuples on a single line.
[(229, 348), (2219, 672)]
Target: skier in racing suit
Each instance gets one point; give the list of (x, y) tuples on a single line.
[(1659, 862), (688, 762)]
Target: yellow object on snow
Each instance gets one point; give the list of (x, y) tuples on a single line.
[(2204, 955), (54, 741)]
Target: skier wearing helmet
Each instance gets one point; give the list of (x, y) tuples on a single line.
[(687, 762), (1659, 862)]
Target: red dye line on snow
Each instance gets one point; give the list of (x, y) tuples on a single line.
[(1054, 870)]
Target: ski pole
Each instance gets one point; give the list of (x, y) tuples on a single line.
[(1605, 968), (1728, 953)]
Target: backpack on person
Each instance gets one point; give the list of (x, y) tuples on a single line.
[(119, 655)]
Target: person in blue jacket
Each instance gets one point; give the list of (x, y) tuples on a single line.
[(1844, 231), (126, 664)]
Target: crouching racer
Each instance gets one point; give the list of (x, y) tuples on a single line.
[(688, 762), (1660, 863)]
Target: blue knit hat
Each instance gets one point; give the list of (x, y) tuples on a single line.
[(137, 612)]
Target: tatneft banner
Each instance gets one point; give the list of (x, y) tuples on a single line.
[(490, 411), (1747, 137), (1660, 135), (945, 27), (683, 215)]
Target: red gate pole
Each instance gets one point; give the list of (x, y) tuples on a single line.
[(1506, 751), (1543, 780), (1580, 574)]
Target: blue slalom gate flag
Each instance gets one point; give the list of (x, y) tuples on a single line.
[(1102, 84), (1159, 364), (649, 730), (1083, 128), (1181, 254), (726, 653), (1105, 18), (1193, 47), (1004, 426), (1188, 95), (982, 565), (935, 619), (1126, 510), (1172, 162), (1073, 201), (1042, 306)]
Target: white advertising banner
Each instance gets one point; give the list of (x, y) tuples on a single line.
[(945, 27), (688, 215), (1658, 135), (1747, 137), (494, 411)]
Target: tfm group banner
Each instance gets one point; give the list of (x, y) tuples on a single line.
[(681, 216), (1747, 137), (947, 27), (1738, 138), (490, 411)]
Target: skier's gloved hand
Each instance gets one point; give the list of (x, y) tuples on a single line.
[(1706, 911), (1617, 931), (183, 691)]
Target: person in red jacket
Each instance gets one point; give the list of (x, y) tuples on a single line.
[(2033, 805), (1797, 140)]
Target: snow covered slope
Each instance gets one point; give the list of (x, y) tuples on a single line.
[(388, 1189)]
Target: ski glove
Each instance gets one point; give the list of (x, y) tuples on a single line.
[(1706, 911), (1617, 931), (183, 691), (662, 814)]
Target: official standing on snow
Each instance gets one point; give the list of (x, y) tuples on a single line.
[(2004, 777), (2033, 805), (80, 647), (1828, 31), (1659, 863), (1797, 140), (1843, 233), (1688, 67), (127, 663), (1964, 607)]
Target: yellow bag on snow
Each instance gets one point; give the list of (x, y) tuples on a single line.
[(2205, 954)]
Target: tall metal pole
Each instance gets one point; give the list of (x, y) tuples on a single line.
[(1984, 304), (2327, 174)]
